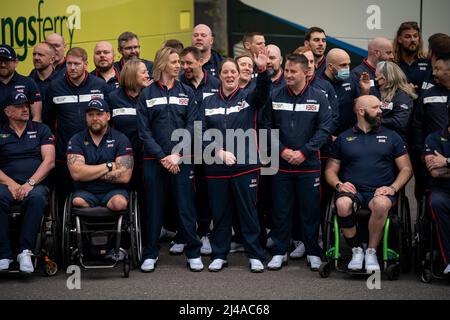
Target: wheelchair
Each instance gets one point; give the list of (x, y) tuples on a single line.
[(396, 234), (46, 251), (428, 260), (88, 234)]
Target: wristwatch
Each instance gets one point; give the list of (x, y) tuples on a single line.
[(448, 162), (338, 185), (109, 165), (31, 182)]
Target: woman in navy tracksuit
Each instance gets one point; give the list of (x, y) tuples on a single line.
[(233, 179), (123, 103), (163, 107)]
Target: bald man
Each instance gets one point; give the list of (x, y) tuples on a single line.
[(104, 64), (203, 39), (57, 41), (274, 66), (337, 72), (369, 165), (379, 49)]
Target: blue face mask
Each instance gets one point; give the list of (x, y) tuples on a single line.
[(342, 74)]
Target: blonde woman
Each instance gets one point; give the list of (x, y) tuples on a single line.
[(164, 106), (396, 96)]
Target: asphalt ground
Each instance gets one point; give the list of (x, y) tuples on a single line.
[(173, 281)]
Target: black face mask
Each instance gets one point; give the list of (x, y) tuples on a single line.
[(373, 121)]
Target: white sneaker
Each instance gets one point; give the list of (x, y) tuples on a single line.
[(256, 266), (299, 250), (314, 262), (356, 264), (4, 264), (217, 265), (277, 262), (206, 246), (25, 263), (195, 264), (371, 261), (149, 265), (177, 248), (236, 247), (447, 270)]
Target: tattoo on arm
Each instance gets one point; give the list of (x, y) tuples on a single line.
[(73, 159), (112, 176), (125, 162)]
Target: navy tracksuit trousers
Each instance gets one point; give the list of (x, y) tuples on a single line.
[(303, 190), (440, 210), (240, 190), (157, 181)]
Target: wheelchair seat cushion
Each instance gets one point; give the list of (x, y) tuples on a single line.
[(97, 212)]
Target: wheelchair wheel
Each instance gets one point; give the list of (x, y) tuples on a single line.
[(126, 269), (65, 243), (328, 233), (405, 247), (135, 231), (426, 276), (393, 272), (325, 269)]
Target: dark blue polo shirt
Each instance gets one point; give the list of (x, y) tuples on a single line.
[(112, 83), (207, 87), (124, 118), (366, 67), (149, 64), (417, 72), (212, 66), (368, 159), (346, 92), (18, 83), (20, 157), (439, 141), (113, 145), (43, 86)]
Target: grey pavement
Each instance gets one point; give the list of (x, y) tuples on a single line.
[(173, 281)]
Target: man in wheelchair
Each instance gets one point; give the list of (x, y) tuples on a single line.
[(27, 155), (437, 160), (368, 167), (100, 161)]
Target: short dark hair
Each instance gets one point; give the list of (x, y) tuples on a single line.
[(311, 31), (439, 44), (248, 36), (126, 36), (228, 60), (298, 58), (175, 44), (196, 53)]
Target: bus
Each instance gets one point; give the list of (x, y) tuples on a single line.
[(349, 24), (83, 23)]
